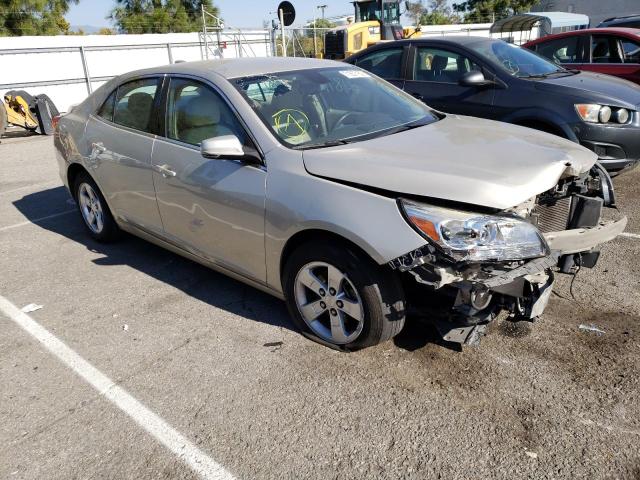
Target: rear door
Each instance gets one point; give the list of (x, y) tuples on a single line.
[(615, 55), (120, 138), (213, 208), (434, 74)]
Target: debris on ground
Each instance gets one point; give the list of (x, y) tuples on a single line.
[(275, 345), (32, 307), (591, 328), (125, 327), (531, 454)]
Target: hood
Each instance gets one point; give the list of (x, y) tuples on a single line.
[(598, 87), (462, 159)]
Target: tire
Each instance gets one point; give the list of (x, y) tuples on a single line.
[(380, 311), (45, 110), (91, 204), (4, 123)]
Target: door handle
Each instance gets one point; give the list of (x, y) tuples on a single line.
[(165, 171), (98, 147)]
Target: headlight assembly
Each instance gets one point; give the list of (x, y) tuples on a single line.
[(467, 236), (594, 113)]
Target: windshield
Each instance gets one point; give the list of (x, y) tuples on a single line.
[(517, 61), (322, 107)]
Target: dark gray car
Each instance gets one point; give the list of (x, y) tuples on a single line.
[(490, 78)]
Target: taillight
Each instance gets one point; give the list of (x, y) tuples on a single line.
[(55, 120)]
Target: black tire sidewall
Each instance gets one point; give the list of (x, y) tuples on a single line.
[(380, 292), (110, 230)]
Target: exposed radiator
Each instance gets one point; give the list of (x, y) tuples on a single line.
[(553, 217)]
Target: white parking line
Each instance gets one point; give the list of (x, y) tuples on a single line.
[(41, 219), (173, 440), (630, 235)]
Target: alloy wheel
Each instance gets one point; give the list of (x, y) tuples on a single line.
[(329, 303)]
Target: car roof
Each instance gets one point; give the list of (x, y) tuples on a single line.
[(635, 32), (239, 67), (453, 39)]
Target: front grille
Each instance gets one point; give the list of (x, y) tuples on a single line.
[(334, 45), (553, 217)]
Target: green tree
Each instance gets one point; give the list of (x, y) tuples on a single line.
[(160, 16), (415, 11), (34, 17), (491, 10), (438, 13), (322, 23)]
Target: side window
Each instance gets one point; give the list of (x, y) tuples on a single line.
[(106, 110), (604, 49), (562, 50), (134, 103), (631, 50), (385, 63), (437, 65), (195, 112)]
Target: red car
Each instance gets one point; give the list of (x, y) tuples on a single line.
[(614, 51)]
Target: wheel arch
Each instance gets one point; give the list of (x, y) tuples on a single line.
[(542, 125), (73, 171), (319, 234)]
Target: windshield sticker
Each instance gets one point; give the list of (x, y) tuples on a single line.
[(290, 123), (352, 73)]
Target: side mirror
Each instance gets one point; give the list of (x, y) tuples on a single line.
[(226, 146), (474, 78)]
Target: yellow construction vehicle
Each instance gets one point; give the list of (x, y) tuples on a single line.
[(33, 113), (375, 21)]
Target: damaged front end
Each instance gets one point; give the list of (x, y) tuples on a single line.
[(505, 260)]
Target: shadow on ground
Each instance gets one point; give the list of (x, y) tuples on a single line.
[(191, 278)]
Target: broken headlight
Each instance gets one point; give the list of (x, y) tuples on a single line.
[(476, 237)]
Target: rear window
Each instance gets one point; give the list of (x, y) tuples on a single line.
[(106, 110)]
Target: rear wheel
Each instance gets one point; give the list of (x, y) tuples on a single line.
[(94, 210), (341, 298)]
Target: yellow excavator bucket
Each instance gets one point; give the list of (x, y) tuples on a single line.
[(34, 113), (18, 113)]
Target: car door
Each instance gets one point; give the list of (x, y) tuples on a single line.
[(434, 76), (568, 51), (630, 48), (120, 138), (614, 55), (387, 63), (213, 208)]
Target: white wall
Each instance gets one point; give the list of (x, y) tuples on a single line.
[(63, 71)]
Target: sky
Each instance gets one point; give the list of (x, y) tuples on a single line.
[(236, 13)]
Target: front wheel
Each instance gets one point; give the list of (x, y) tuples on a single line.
[(341, 298)]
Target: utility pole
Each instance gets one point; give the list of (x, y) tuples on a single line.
[(315, 40), (322, 7), (284, 44)]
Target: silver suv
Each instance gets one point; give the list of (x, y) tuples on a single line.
[(326, 186)]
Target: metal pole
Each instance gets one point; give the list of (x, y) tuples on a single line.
[(170, 53), (315, 40), (85, 67), (204, 33), (284, 45)]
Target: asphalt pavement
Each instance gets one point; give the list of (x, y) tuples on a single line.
[(220, 364)]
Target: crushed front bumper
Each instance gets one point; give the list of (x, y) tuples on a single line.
[(584, 239)]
